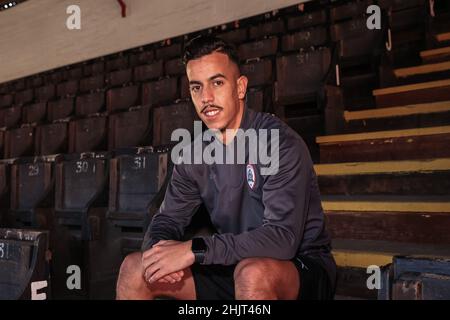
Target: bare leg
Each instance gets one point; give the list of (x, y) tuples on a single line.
[(266, 279), (132, 286)]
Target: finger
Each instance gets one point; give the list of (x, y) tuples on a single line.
[(160, 242), (177, 275), (150, 271), (154, 250), (168, 279), (156, 276), (149, 261), (172, 278), (181, 273)]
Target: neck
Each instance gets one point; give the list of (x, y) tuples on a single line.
[(227, 134)]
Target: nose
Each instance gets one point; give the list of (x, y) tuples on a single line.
[(207, 95)]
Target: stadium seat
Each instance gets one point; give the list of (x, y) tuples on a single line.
[(4, 191), (307, 20), (10, 117), (6, 100), (94, 68), (169, 118), (81, 201), (19, 85), (5, 88), (55, 77), (19, 142), (88, 134), (236, 36), (255, 99), (313, 37), (136, 177), (122, 98), (2, 143), (399, 4), (129, 129), (32, 182), (259, 72), (80, 181), (89, 104), (46, 93), (74, 73), (119, 77), (349, 10), (67, 89), (169, 52), (118, 62), (258, 49), (35, 81), (355, 40), (150, 71), (141, 57), (417, 277), (24, 265), (52, 138), (175, 67), (184, 87), (267, 29), (300, 76), (93, 83), (24, 97), (60, 109), (160, 92)]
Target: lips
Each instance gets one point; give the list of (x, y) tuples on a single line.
[(211, 112)]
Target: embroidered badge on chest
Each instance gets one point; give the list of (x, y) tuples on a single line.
[(251, 176)]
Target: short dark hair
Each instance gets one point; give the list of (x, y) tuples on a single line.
[(203, 45)]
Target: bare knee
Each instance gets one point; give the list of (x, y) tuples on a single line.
[(132, 265), (130, 279), (254, 280)]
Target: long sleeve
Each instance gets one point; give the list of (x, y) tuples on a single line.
[(286, 203), (181, 201)]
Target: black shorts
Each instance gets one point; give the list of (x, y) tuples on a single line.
[(216, 282)]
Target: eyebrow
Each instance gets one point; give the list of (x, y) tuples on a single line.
[(218, 75)]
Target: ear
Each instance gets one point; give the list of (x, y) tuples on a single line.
[(242, 83)]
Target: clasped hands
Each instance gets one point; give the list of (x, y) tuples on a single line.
[(166, 260)]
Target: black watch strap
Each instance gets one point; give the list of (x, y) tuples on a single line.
[(199, 249)]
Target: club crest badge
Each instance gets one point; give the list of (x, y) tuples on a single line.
[(251, 176)]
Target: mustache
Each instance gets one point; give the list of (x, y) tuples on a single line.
[(210, 106)]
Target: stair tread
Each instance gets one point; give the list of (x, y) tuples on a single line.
[(411, 87), (386, 203), (434, 52), (422, 108), (422, 69), (374, 167), (362, 253), (442, 37), (383, 134)]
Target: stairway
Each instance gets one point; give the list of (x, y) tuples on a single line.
[(385, 176)]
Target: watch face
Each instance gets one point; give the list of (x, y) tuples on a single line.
[(198, 245), (199, 249)]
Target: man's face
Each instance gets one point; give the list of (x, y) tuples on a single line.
[(217, 90)]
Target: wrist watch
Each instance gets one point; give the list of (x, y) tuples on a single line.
[(199, 249)]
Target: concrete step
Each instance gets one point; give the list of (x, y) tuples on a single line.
[(423, 92), (364, 253), (435, 55), (408, 144), (422, 69), (409, 177)]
